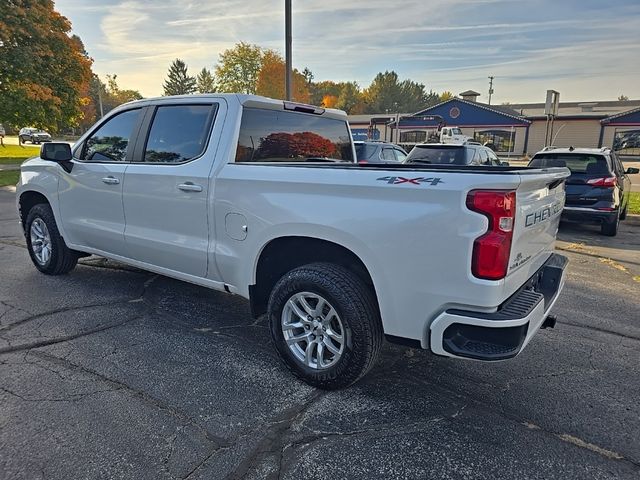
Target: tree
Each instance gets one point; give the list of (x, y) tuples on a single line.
[(178, 81), (271, 79), (387, 93), (623, 98), (350, 97), (238, 68), (44, 72), (205, 82), (109, 94), (444, 96)]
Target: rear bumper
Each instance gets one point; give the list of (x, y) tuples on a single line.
[(504, 333), (587, 215)]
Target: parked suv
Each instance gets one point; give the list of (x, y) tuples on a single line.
[(379, 152), (598, 188), (469, 153), (33, 135)]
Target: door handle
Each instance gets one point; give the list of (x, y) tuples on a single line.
[(190, 187), (111, 180)]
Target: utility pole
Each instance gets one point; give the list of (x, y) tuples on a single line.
[(490, 88), (287, 48)]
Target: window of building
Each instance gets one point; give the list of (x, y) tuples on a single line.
[(627, 142), (413, 136), (497, 140)]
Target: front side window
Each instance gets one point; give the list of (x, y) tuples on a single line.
[(110, 142), (178, 133), (387, 155), (287, 136), (400, 155)]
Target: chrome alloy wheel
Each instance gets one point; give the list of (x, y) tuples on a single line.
[(40, 241), (313, 330)]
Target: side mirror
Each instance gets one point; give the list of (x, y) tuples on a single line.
[(504, 164), (632, 171), (56, 152)]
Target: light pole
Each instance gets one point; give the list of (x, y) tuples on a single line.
[(287, 48)]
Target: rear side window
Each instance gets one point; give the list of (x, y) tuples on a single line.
[(110, 142), (178, 133), (285, 136), (581, 163), (364, 151), (387, 155), (437, 155)]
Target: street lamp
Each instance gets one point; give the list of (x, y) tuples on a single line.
[(287, 48)]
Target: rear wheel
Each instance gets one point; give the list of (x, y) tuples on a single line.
[(46, 247), (610, 228), (325, 325)]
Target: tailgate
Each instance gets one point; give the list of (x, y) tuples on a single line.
[(539, 201)]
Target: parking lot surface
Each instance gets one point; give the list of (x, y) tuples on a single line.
[(111, 372)]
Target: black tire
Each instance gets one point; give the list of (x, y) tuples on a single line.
[(62, 259), (623, 215), (357, 308), (610, 228)]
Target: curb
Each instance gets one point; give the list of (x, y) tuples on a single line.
[(8, 188), (632, 219)]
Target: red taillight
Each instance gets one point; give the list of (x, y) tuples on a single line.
[(490, 259), (603, 182)]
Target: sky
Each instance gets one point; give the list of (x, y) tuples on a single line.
[(585, 49)]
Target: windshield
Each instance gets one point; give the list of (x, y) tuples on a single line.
[(437, 154), (456, 131), (364, 151), (581, 163), (285, 136)]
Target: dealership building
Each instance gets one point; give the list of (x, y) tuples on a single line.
[(515, 129)]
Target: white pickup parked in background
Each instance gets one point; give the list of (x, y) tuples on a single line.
[(262, 198)]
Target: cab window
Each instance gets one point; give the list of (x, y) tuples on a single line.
[(179, 133), (110, 142)]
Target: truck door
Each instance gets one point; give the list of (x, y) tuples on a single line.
[(90, 195), (166, 188)]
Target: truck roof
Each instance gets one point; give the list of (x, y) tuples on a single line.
[(248, 100), (603, 150)]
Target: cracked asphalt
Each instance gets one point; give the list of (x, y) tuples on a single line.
[(111, 372)]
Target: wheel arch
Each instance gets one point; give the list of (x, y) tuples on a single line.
[(27, 200), (282, 254)]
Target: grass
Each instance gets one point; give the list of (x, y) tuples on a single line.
[(8, 177), (10, 154), (634, 203)]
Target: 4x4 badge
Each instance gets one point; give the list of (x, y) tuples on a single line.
[(415, 181)]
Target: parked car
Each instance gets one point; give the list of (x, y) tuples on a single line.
[(33, 135), (379, 152), (263, 199), (469, 153), (598, 188)]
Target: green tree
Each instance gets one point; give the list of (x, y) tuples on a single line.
[(205, 82), (444, 96), (388, 93), (350, 97), (238, 68), (178, 81), (110, 95), (43, 70)]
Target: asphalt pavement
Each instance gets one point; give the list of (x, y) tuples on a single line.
[(111, 372)]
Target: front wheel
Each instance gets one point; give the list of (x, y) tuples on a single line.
[(325, 325), (46, 247)]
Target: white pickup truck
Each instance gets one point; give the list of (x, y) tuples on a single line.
[(262, 198)]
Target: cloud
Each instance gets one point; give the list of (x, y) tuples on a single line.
[(446, 44)]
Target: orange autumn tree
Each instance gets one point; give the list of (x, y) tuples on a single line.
[(43, 70), (271, 79)]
